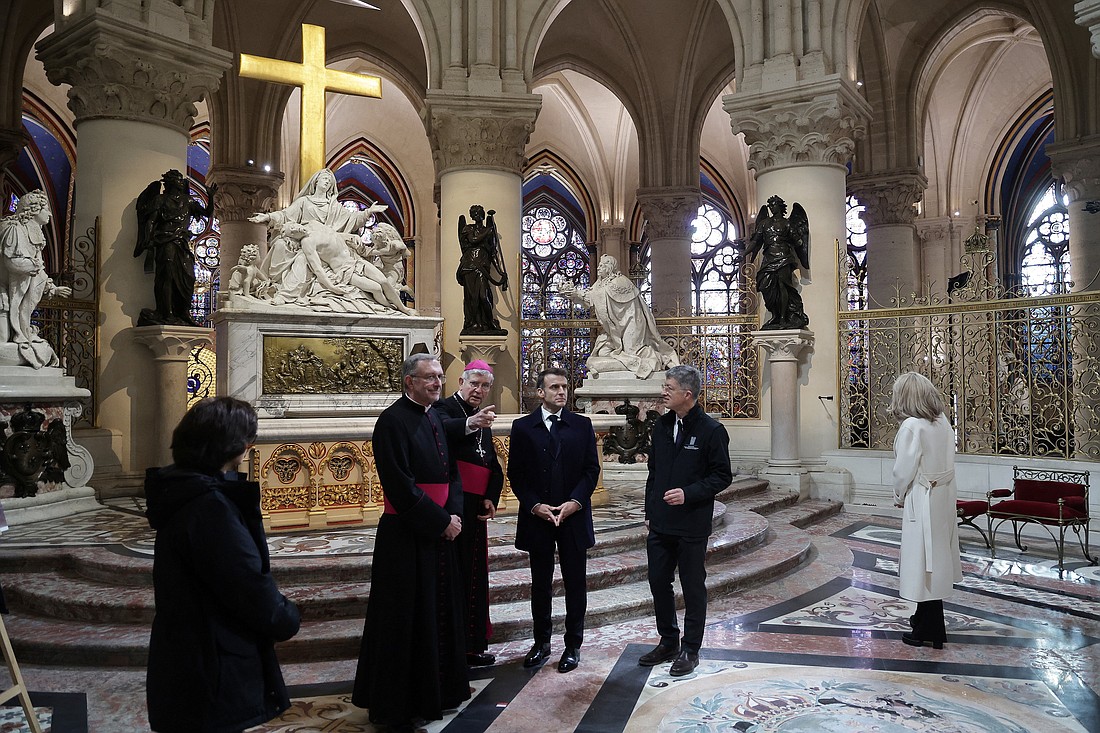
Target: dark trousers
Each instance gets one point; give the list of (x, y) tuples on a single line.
[(928, 623), (667, 553), (574, 576)]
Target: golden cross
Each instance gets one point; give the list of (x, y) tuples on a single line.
[(314, 80)]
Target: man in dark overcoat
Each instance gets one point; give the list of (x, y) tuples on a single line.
[(689, 465), (553, 469)]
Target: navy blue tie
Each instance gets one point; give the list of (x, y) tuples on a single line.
[(555, 439)]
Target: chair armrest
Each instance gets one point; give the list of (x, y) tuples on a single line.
[(1075, 502), (999, 493)]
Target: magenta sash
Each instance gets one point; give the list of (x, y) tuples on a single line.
[(436, 492), (475, 478)]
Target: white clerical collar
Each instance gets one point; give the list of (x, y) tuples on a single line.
[(426, 407)]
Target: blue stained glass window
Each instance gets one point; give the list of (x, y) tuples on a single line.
[(1044, 266)]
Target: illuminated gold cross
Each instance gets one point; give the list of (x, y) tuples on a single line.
[(314, 80)]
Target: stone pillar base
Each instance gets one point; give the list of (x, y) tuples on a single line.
[(795, 481), (783, 348)]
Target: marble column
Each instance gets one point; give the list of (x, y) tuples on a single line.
[(783, 350), (171, 347), (242, 192), (800, 140), (135, 74), (478, 144), (893, 256), (669, 212)]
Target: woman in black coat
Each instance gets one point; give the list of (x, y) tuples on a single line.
[(212, 665)]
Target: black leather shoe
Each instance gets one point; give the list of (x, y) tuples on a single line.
[(570, 658), (480, 659), (912, 640), (685, 663), (913, 621), (539, 653), (658, 654)]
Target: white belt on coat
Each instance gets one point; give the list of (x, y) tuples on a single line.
[(931, 481)]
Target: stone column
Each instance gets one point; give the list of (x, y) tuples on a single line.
[(478, 144), (12, 143), (171, 347), (893, 257), (669, 212), (135, 73), (613, 242), (934, 236), (800, 140), (1078, 165), (783, 350), (1088, 16), (242, 192)]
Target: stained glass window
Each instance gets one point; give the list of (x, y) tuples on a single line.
[(857, 255), (1044, 265), (206, 244), (716, 258)]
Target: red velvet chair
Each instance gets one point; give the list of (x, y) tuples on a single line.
[(969, 510), (1054, 500)]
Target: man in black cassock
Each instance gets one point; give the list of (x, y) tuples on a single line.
[(412, 660), (469, 422)]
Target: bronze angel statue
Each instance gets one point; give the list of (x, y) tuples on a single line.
[(786, 245), (164, 213), (481, 256)]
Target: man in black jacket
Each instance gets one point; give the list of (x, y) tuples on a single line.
[(689, 464)]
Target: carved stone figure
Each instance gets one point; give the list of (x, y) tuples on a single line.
[(164, 213), (391, 251), (630, 442), (481, 256), (32, 454), (786, 247), (246, 278), (24, 282), (629, 341), (316, 258)]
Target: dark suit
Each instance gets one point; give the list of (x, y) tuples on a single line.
[(537, 477), (698, 463)]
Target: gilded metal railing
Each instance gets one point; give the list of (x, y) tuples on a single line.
[(1019, 374), (70, 325)]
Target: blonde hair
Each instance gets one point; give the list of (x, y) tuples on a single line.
[(915, 396)]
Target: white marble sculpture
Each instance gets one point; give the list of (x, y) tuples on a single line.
[(25, 282), (246, 277), (629, 340), (316, 259)]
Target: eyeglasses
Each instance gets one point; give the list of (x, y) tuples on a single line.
[(430, 377), (480, 386)]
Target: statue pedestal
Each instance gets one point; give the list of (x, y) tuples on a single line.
[(171, 347), (52, 393), (486, 348), (638, 403), (783, 350)]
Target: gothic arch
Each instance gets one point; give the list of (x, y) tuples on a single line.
[(400, 187), (554, 164)]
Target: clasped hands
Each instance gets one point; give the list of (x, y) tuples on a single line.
[(556, 514)]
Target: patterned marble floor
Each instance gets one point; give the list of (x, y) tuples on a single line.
[(817, 649)]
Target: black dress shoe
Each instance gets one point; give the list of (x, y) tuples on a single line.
[(913, 621), (658, 654), (570, 658), (912, 640), (539, 653), (685, 663), (480, 659)]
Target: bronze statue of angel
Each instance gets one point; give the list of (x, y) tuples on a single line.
[(785, 242)]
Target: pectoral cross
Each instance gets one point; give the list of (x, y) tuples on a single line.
[(314, 80)]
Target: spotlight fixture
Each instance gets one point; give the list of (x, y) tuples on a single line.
[(250, 162)]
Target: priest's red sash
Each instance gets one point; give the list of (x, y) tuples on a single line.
[(436, 492), (475, 478)]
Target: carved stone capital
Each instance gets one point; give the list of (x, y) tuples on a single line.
[(173, 343), (12, 143), (1078, 165), (786, 345), (480, 133), (122, 68), (933, 231), (811, 124), (888, 198), (243, 192), (1088, 16), (669, 211)]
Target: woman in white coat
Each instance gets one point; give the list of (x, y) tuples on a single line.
[(924, 486)]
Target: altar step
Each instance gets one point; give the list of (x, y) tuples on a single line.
[(93, 607)]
